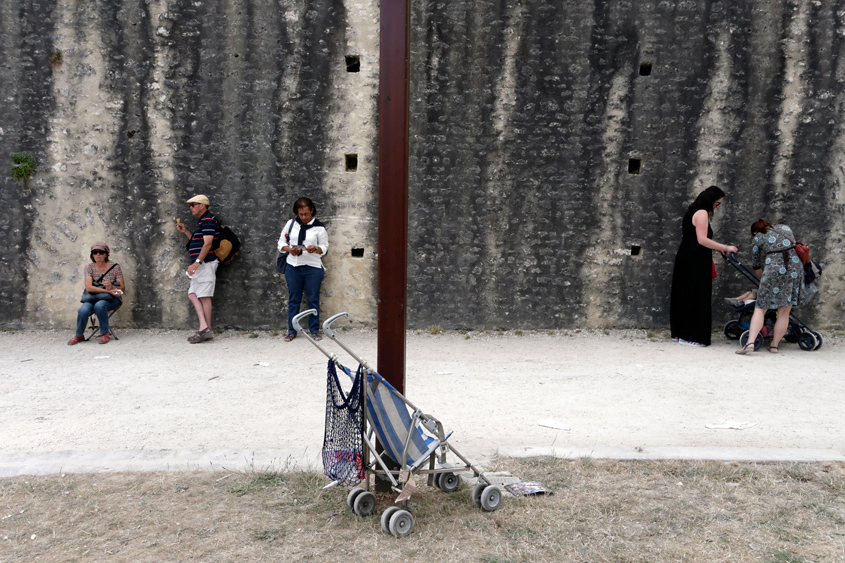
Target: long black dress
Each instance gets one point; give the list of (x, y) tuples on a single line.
[(692, 283)]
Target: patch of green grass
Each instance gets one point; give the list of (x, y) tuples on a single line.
[(518, 332), (253, 335), (268, 535), (786, 557), (434, 329), (275, 333), (23, 166), (217, 330)]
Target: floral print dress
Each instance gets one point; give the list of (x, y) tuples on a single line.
[(774, 253)]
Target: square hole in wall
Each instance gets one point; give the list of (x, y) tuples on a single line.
[(635, 250), (635, 165), (357, 252), (351, 162), (645, 69), (353, 63)]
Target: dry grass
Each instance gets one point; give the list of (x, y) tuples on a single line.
[(601, 511)]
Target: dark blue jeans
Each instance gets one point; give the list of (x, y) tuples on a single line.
[(102, 309), (304, 279)]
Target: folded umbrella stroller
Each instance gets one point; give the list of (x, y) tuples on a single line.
[(412, 442)]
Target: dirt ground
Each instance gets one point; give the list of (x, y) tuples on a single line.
[(151, 401)]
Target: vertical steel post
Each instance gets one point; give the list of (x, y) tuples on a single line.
[(394, 57)]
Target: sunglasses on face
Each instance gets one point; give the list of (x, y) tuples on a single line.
[(98, 252)]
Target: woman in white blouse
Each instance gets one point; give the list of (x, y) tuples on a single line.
[(306, 241)]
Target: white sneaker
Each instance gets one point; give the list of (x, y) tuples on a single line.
[(683, 342)]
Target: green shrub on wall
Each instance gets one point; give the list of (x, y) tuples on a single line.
[(23, 166)]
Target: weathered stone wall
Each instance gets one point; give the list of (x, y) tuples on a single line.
[(248, 102), (525, 117)]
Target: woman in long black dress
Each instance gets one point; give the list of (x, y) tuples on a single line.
[(692, 279)]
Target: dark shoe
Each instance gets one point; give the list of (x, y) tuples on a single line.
[(316, 337), (104, 338), (75, 340), (290, 337), (201, 336)]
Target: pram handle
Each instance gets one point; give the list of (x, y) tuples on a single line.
[(295, 323), (297, 318), (327, 324)]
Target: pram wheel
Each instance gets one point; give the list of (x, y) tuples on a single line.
[(365, 504), (449, 482), (807, 341), (353, 494), (437, 479), (793, 333), (758, 342), (818, 339), (733, 330), (385, 518), (401, 523), (476, 492), (491, 498)]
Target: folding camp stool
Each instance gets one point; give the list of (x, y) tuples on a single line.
[(94, 327)]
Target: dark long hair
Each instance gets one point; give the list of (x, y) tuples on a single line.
[(707, 199), (304, 202)]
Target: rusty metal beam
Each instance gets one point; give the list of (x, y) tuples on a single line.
[(394, 55)]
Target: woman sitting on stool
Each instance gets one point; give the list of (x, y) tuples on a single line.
[(104, 287)]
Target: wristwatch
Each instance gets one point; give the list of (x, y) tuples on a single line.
[(199, 261)]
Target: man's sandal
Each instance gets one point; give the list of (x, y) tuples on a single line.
[(290, 337)]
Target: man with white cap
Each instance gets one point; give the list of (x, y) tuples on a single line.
[(203, 269)]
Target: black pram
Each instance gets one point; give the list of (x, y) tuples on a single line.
[(737, 329)]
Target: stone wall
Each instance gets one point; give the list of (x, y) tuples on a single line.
[(554, 148), (248, 102), (556, 145)]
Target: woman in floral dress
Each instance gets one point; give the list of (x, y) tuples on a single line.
[(777, 265)]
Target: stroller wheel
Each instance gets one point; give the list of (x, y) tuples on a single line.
[(365, 504), (491, 498), (437, 477), (793, 333), (476, 492), (385, 518), (449, 482), (818, 339), (353, 494), (758, 342), (401, 523), (807, 341), (733, 330)]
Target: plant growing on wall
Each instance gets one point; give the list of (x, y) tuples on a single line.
[(23, 167), (56, 58)]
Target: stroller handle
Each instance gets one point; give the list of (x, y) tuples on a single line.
[(327, 324), (300, 316)]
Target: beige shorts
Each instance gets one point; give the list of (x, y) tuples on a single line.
[(204, 279)]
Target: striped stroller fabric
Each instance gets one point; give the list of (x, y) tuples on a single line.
[(392, 422)]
